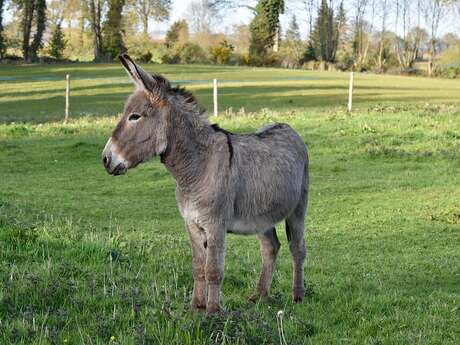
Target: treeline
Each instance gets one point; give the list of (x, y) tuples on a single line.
[(377, 35)]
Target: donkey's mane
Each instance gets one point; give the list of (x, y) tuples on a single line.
[(188, 103), (185, 100)]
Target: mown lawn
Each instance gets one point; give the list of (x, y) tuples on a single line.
[(36, 93), (87, 258)]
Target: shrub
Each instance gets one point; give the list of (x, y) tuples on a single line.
[(143, 49), (448, 65), (292, 53), (192, 53), (57, 43), (188, 53), (344, 60), (242, 59), (269, 59), (221, 53)]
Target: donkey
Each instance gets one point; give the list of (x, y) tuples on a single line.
[(225, 182)]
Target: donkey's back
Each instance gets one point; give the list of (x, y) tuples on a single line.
[(270, 177)]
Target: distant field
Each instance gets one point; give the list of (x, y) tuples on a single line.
[(36, 93), (88, 258)]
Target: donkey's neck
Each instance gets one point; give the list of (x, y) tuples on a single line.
[(187, 153)]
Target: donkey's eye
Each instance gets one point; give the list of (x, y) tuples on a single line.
[(134, 117)]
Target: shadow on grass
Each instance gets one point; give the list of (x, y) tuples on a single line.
[(251, 98)]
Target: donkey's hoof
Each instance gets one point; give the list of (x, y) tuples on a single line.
[(198, 308), (298, 295), (254, 297), (257, 295), (214, 310)]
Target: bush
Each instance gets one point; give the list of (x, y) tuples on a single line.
[(291, 54), (448, 65), (309, 54), (242, 59), (344, 60), (192, 53), (145, 50), (271, 59), (169, 56), (188, 53), (221, 53)]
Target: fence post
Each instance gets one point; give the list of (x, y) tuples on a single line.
[(67, 97), (215, 98), (350, 93)]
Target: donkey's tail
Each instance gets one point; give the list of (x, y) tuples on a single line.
[(298, 214)]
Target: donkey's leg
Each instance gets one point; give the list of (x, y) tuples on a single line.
[(269, 247), (198, 241), (215, 265), (295, 230)]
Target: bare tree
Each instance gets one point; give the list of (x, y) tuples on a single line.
[(310, 7), (361, 38), (95, 20), (147, 9), (409, 44), (434, 10), (384, 11), (202, 15)]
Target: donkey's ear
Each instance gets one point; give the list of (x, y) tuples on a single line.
[(143, 80)]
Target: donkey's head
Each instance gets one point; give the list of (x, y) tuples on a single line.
[(142, 131)]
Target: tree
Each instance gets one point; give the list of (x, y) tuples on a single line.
[(177, 34), (310, 8), (32, 12), (112, 31), (40, 18), (341, 26), (146, 9), (57, 43), (325, 36), (293, 32), (383, 40), (292, 48), (2, 39), (94, 11), (362, 31), (407, 47), (201, 16), (434, 10), (265, 26)]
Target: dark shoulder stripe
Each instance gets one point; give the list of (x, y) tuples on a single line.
[(229, 140)]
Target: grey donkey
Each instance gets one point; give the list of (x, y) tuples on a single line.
[(226, 182)]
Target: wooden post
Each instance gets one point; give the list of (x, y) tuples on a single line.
[(350, 93), (67, 97), (215, 98)]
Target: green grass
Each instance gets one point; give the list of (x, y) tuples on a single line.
[(36, 93), (87, 258)]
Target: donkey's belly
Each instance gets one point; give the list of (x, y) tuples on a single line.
[(250, 226)]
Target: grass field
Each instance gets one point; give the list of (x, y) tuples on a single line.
[(87, 258), (36, 93)]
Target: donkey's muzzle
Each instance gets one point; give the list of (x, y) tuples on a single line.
[(113, 167), (113, 163)]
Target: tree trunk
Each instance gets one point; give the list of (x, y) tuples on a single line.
[(40, 19), (276, 40), (29, 7), (145, 25), (2, 41), (95, 19)]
